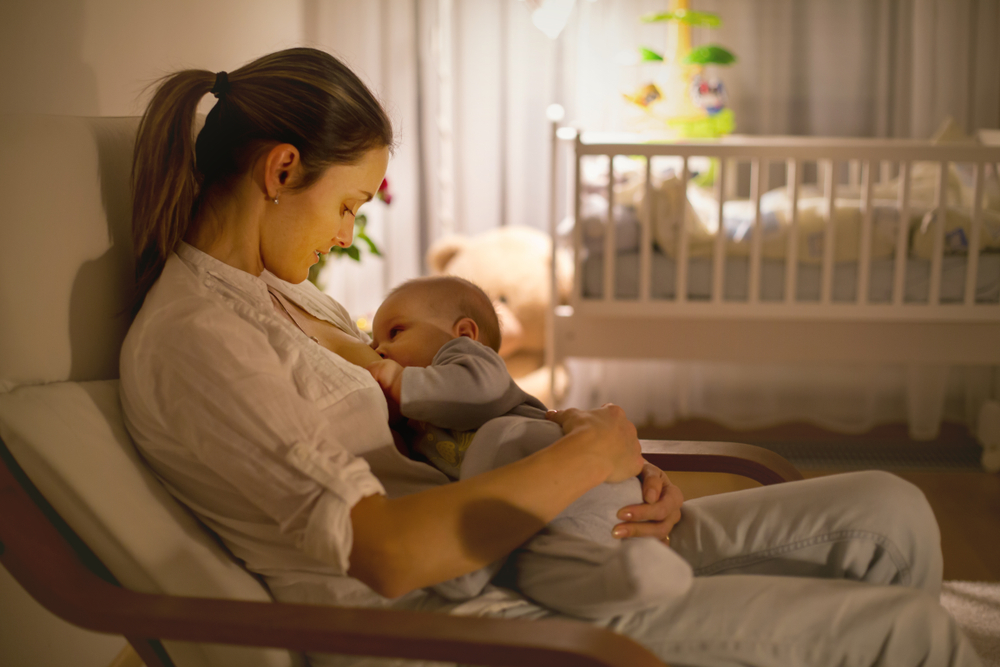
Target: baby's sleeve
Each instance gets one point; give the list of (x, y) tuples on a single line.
[(466, 386)]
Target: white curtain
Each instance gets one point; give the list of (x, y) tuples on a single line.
[(468, 82)]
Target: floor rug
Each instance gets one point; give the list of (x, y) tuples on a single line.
[(976, 607)]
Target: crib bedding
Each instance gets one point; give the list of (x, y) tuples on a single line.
[(772, 279)]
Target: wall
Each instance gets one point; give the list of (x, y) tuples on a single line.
[(95, 57)]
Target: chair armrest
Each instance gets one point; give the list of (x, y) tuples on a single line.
[(45, 565), (757, 463)]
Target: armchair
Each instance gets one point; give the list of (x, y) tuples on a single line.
[(93, 536)]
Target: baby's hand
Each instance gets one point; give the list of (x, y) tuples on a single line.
[(389, 375)]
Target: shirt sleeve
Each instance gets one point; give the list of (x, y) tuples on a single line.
[(466, 385), (254, 420)]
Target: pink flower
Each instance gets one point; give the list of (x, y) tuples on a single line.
[(383, 192)]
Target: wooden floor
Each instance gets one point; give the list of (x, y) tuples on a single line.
[(966, 504)]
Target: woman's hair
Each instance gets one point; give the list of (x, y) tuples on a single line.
[(302, 96)]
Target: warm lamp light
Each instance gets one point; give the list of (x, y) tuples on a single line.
[(550, 16)]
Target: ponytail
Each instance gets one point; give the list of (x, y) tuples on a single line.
[(302, 96), (165, 179)]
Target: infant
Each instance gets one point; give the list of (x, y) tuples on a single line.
[(438, 338)]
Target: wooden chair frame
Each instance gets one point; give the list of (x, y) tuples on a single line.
[(58, 571)]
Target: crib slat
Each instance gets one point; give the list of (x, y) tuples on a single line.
[(719, 251), (609, 236), (646, 235), (794, 179), (902, 235), (758, 183), (577, 224), (972, 263), (826, 288), (682, 239), (938, 252), (865, 249), (731, 167)]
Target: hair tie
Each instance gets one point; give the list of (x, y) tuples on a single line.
[(221, 86)]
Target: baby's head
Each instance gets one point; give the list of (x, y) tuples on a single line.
[(421, 315)]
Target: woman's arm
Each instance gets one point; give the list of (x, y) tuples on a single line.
[(423, 539)]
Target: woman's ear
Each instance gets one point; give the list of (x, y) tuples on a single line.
[(466, 327), (281, 167)]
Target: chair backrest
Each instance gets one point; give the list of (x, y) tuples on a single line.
[(66, 274)]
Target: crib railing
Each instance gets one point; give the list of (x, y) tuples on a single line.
[(862, 156), (825, 328)]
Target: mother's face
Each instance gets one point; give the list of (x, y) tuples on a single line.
[(313, 220)]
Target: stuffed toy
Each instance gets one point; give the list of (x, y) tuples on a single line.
[(511, 264)]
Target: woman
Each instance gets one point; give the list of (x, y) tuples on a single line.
[(281, 445)]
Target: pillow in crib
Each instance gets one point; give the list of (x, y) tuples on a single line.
[(667, 204), (593, 217), (959, 200), (957, 232), (775, 216)]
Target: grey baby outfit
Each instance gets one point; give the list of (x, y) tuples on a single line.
[(574, 565)]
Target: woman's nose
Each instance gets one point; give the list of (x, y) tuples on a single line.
[(345, 236)]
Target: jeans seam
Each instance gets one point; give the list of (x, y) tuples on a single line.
[(748, 559)]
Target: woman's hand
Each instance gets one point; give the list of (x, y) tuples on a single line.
[(610, 435), (658, 515)]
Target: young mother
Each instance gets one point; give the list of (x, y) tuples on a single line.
[(238, 388)]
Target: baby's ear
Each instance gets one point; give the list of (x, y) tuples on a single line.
[(466, 327)]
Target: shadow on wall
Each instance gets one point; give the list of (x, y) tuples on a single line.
[(41, 61), (100, 302)]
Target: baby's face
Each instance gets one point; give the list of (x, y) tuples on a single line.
[(406, 330)]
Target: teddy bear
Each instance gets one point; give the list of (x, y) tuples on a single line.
[(511, 264)]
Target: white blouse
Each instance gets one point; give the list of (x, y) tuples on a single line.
[(268, 437)]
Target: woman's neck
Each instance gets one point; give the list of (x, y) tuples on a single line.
[(227, 228)]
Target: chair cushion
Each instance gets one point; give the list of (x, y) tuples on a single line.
[(71, 441), (66, 269)]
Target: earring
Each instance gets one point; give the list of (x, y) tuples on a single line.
[(275, 200)]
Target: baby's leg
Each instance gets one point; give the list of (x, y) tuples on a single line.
[(583, 578)]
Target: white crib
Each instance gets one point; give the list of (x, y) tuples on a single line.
[(776, 306)]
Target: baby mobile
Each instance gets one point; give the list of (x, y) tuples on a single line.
[(684, 99)]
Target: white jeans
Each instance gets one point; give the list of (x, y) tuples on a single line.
[(839, 570)]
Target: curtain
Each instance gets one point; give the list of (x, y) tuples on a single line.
[(468, 83)]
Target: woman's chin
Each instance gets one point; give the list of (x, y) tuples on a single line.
[(293, 276)]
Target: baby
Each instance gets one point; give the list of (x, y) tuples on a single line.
[(438, 338)]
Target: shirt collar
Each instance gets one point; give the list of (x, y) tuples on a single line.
[(251, 285)]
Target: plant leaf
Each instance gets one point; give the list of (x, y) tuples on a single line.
[(709, 54), (353, 253), (649, 55), (706, 19)]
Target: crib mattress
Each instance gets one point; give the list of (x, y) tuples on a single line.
[(772, 279)]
